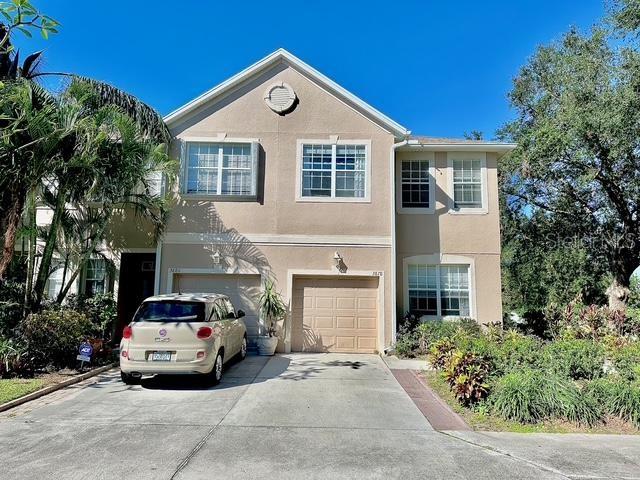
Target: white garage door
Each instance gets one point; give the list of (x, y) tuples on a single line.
[(243, 290), (335, 315)]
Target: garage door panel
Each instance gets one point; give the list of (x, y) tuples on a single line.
[(324, 302), (367, 323), (323, 322), (369, 303), (366, 343), (243, 290), (335, 315), (346, 343), (343, 302), (345, 321)]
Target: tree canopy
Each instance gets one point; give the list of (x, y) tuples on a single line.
[(572, 185), (91, 149)]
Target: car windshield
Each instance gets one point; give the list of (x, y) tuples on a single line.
[(170, 311)]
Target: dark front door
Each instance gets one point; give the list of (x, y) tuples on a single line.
[(137, 274)]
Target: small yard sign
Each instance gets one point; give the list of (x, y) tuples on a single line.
[(85, 351)]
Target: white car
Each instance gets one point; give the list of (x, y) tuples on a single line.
[(182, 334)]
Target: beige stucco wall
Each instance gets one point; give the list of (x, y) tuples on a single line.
[(128, 231), (277, 217), (474, 236), (318, 115), (276, 262)]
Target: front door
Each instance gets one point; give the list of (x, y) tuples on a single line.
[(137, 274)]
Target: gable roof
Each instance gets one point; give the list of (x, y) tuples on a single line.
[(279, 56)]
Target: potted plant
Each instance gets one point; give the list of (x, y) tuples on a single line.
[(272, 308)]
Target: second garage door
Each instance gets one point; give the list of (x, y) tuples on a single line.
[(243, 290), (335, 315)]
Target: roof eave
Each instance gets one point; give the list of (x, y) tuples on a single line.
[(491, 147)]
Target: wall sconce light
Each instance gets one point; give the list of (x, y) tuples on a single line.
[(216, 257), (338, 259)]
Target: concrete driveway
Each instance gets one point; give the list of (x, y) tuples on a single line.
[(290, 416)]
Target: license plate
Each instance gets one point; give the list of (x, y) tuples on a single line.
[(161, 356)]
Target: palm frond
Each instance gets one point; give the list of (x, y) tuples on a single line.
[(147, 118)]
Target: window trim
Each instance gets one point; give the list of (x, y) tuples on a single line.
[(441, 260), (482, 156), (423, 156), (334, 143), (59, 263), (107, 275), (184, 169)]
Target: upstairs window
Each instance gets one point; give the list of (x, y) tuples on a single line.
[(332, 171), (415, 184), (224, 169), (467, 183), (439, 290)]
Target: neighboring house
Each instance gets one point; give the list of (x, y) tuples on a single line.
[(286, 175)]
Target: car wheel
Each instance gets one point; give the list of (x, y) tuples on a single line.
[(128, 379), (216, 372), (243, 348)]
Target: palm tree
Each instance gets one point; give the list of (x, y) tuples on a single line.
[(28, 138), (75, 138), (106, 159)]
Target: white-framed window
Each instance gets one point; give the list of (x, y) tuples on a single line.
[(333, 171), (468, 182), (155, 183), (439, 290), (225, 169), (54, 282), (95, 280), (415, 184)]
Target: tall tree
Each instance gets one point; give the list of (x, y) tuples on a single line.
[(625, 15), (578, 155), (106, 160), (33, 139), (28, 136), (23, 119)]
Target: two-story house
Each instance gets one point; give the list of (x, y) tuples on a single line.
[(287, 176)]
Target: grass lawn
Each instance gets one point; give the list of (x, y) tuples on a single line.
[(13, 388), (485, 421)]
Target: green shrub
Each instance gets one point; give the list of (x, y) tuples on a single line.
[(576, 359), (52, 336), (101, 309), (415, 338), (14, 359), (632, 323), (626, 360), (11, 301), (616, 397), (517, 351), (440, 352), (432, 331), (407, 344), (466, 374), (529, 396)]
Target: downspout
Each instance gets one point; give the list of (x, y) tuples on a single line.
[(392, 176)]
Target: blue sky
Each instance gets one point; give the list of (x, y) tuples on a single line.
[(437, 67)]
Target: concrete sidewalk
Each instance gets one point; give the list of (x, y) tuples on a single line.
[(579, 456)]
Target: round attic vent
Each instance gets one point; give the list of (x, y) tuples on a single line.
[(280, 97)]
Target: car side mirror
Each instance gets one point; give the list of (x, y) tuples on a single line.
[(240, 314), (231, 315)]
